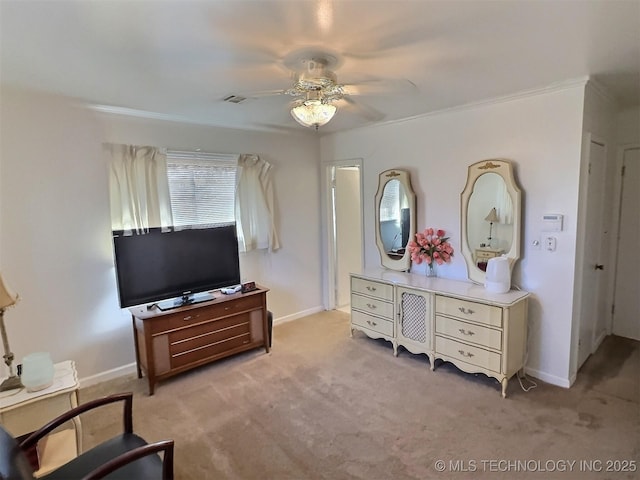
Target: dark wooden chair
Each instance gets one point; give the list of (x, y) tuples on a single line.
[(125, 456)]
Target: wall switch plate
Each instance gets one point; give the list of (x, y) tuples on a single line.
[(550, 243), (552, 222)]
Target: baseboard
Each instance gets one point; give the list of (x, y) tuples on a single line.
[(552, 379), (598, 341), (108, 375), (297, 315)]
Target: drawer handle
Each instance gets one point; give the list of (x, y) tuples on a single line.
[(466, 311), (187, 318), (371, 289), (465, 354), (371, 306), (373, 324), (466, 332)]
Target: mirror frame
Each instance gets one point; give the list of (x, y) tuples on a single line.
[(403, 176), (503, 168)]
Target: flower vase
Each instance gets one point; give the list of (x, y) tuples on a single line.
[(430, 270)]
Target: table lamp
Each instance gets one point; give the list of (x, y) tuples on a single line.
[(6, 300), (492, 218)]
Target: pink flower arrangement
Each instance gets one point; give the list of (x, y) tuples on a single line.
[(431, 246)]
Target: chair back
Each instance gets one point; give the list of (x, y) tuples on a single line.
[(13, 462)]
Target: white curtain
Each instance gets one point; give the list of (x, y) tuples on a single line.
[(139, 189), (254, 205), (504, 204)]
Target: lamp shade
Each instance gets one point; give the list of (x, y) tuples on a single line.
[(492, 216), (7, 298), (313, 113)]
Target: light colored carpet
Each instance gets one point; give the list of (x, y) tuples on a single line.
[(323, 405)]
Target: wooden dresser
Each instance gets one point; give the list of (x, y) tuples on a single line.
[(173, 341), (459, 322)]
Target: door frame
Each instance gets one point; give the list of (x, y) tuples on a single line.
[(329, 224), (603, 289), (615, 226)]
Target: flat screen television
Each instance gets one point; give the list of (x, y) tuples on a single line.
[(176, 267)]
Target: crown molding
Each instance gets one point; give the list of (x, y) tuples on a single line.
[(165, 117), (602, 91), (132, 112), (551, 88)]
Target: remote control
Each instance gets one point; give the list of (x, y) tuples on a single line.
[(230, 290)]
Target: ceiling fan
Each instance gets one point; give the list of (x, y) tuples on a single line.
[(317, 93)]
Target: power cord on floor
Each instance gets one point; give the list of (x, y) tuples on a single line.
[(532, 384)]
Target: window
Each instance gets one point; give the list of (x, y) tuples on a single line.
[(201, 187), (390, 202)]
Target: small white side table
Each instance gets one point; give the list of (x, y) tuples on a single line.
[(23, 412)]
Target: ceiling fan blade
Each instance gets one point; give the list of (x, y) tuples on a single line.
[(364, 111), (388, 37), (381, 87)]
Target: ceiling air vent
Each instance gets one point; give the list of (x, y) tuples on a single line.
[(235, 99)]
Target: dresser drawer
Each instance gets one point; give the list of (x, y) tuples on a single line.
[(209, 333), (204, 352), (373, 306), (379, 290), (469, 332), (487, 254), (476, 312), (380, 325), (467, 353), (216, 310)]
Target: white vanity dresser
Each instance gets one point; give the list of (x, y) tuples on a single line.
[(459, 322)]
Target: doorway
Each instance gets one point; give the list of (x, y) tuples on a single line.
[(345, 225), (592, 325), (626, 302)]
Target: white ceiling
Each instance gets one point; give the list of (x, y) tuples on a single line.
[(179, 59)]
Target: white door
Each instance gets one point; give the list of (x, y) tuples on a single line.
[(592, 318), (347, 201), (626, 314)]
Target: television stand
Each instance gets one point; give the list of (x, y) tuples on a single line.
[(171, 342), (185, 300)]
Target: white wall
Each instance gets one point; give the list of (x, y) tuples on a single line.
[(55, 245), (628, 126), (541, 134)]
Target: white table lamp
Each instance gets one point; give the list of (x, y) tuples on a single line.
[(6, 300)]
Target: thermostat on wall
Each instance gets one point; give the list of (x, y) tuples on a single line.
[(551, 222)]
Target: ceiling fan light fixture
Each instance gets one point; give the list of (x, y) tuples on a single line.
[(313, 113)]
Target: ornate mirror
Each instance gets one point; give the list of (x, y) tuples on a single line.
[(395, 218), (490, 216)]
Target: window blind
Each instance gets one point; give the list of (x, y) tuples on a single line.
[(390, 202), (201, 187)]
